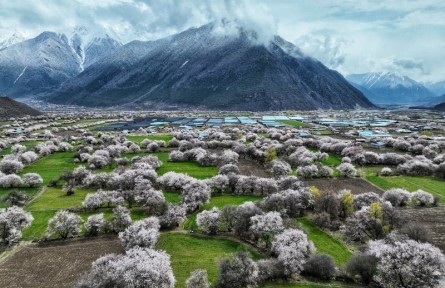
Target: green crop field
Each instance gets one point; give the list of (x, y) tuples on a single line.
[(190, 168), (191, 252), (52, 166), (55, 198), (172, 197), (4, 191), (325, 243), (333, 160), (294, 123), (432, 185), (28, 144)]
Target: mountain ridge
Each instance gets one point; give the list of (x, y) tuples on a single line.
[(199, 68), (11, 108), (391, 88), (42, 63)]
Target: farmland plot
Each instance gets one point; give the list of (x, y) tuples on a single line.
[(58, 265), (433, 218), (356, 185)]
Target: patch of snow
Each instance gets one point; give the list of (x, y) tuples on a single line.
[(184, 64), (21, 74)]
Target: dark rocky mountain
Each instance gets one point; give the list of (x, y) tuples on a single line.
[(206, 69), (11, 108), (440, 107), (391, 88), (41, 64)]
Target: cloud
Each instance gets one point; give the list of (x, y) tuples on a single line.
[(405, 65), (350, 36), (131, 19), (324, 46)]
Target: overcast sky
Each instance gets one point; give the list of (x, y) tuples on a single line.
[(350, 36)]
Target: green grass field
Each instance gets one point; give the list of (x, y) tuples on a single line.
[(325, 243), (4, 191), (172, 197), (333, 160), (432, 185), (192, 169), (55, 199), (218, 201), (39, 225), (52, 166), (28, 144), (191, 252), (294, 123)]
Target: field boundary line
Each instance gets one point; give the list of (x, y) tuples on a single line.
[(426, 188), (8, 253), (42, 190)]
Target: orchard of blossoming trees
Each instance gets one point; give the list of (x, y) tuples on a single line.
[(238, 199)]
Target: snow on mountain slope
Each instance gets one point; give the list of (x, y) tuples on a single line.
[(201, 68), (91, 47), (36, 65), (391, 88), (41, 64), (14, 38)]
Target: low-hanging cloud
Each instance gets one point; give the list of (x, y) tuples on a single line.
[(325, 47), (349, 36), (405, 65), (131, 19)]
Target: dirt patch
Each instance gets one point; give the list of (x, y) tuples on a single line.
[(356, 185), (59, 264), (433, 218), (251, 168)]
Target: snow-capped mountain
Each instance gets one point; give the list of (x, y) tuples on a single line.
[(91, 47), (202, 68), (437, 88), (98, 48), (391, 88), (37, 65), (41, 64), (11, 39)]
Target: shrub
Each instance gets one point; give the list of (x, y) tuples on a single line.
[(397, 197), (364, 265), (421, 198), (198, 279), (417, 232), (320, 266), (237, 271)]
